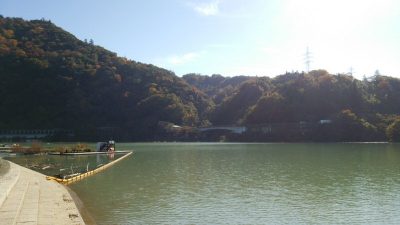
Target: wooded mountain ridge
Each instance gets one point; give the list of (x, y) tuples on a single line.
[(52, 80)]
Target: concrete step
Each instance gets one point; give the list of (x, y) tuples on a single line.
[(8, 180), (34, 200), (11, 207)]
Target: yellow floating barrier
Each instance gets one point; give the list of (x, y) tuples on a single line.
[(87, 174)]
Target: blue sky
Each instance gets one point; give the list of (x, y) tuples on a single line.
[(234, 37)]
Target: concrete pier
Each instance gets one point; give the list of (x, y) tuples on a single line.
[(26, 197)]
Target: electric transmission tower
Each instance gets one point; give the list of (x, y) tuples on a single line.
[(307, 59), (351, 71)]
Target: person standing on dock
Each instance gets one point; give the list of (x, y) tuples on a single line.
[(111, 149)]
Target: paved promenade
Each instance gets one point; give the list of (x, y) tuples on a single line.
[(26, 197)]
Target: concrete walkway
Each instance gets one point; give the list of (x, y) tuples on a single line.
[(28, 198)]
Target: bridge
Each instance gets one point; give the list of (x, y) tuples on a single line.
[(232, 129)]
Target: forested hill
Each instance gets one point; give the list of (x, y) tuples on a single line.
[(356, 110), (51, 79), (216, 86)]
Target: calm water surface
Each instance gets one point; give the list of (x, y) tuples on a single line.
[(248, 184)]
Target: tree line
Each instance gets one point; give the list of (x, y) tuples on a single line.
[(52, 80)]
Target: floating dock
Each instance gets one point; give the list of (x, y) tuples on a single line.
[(89, 173), (89, 153)]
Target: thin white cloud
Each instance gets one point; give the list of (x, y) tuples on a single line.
[(219, 46), (207, 9), (183, 59)]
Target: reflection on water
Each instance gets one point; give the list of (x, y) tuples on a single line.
[(248, 184)]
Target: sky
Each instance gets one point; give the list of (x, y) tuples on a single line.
[(234, 37)]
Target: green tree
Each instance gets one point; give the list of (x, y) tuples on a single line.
[(393, 131)]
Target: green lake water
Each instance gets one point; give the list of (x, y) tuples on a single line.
[(213, 183)]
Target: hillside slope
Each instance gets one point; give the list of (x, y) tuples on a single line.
[(290, 107), (51, 79)]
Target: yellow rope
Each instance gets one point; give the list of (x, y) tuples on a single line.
[(87, 174)]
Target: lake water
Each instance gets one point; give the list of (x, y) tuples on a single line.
[(248, 184)]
